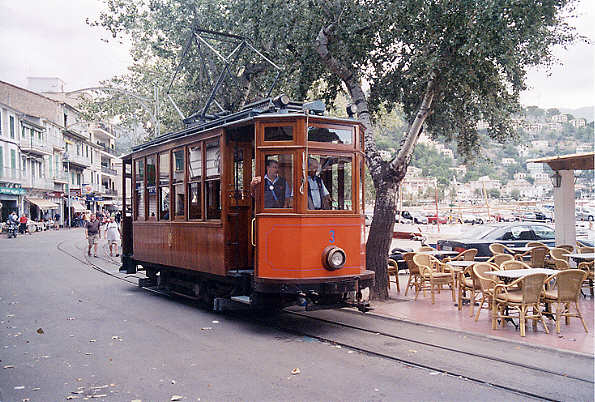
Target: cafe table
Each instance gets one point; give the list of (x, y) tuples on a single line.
[(581, 256), (510, 275), (439, 253), (519, 249)]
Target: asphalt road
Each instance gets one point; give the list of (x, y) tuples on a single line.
[(68, 331)]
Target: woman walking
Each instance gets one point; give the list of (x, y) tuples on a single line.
[(113, 234)]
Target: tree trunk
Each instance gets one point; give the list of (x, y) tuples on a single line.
[(386, 176)]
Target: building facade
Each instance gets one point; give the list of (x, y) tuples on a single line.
[(51, 161)]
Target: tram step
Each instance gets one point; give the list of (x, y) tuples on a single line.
[(241, 299)]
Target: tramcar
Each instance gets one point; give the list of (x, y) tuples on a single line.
[(263, 207)]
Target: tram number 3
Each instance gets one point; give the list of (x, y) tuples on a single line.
[(332, 235)]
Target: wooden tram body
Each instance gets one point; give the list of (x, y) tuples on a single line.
[(197, 230)]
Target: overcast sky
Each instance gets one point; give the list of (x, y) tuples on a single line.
[(49, 38)]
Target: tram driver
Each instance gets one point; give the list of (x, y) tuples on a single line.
[(318, 195), (277, 193)]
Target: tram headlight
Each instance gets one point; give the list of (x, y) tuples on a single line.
[(334, 258)]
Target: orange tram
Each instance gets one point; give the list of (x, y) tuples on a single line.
[(262, 207)]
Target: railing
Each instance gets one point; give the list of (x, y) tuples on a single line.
[(107, 149), (40, 182), (61, 176), (108, 170), (12, 174), (78, 159), (109, 191), (35, 144)]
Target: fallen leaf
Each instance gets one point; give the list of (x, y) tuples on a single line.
[(80, 391), (115, 337), (350, 351), (10, 315), (19, 387), (412, 351), (176, 398), (296, 371), (26, 400), (206, 328), (99, 387), (173, 381), (112, 385), (8, 366), (71, 318), (215, 322), (36, 389), (40, 331), (99, 396), (92, 340), (434, 373), (88, 353), (72, 397)]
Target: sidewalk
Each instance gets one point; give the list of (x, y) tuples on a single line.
[(444, 314)]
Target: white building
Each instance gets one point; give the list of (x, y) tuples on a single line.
[(578, 123), (560, 118), (508, 161)]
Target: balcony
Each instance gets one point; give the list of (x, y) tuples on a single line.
[(75, 159), (39, 182), (109, 191), (107, 149), (107, 170), (35, 146), (60, 177), (78, 133), (11, 175)]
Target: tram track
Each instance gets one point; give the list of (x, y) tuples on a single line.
[(348, 329)]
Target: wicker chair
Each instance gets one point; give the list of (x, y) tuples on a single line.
[(466, 284), (413, 272), (557, 259), (425, 248), (564, 291), (498, 248), (498, 259), (484, 284), (393, 269), (536, 244), (520, 295), (567, 247), (537, 256), (431, 275), (467, 255), (581, 244), (513, 264), (587, 267), (585, 249)]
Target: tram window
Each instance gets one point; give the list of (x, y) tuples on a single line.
[(194, 163), (332, 135), (278, 133), (329, 182), (277, 181), (179, 200), (194, 198), (213, 159), (151, 187), (213, 201), (178, 166), (139, 189), (164, 186)]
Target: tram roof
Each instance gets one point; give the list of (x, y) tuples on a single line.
[(240, 118)]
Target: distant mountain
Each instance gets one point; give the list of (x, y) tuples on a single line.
[(584, 112)]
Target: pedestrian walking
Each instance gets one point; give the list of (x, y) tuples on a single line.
[(112, 232), (23, 224), (93, 234)]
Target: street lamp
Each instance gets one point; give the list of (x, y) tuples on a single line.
[(66, 158)]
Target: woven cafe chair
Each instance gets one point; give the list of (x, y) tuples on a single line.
[(431, 275), (587, 267), (557, 259), (564, 292), (468, 283), (567, 247), (520, 295), (536, 256), (393, 269), (484, 284), (585, 249), (498, 259), (425, 248), (413, 272), (513, 264), (467, 255), (536, 244), (581, 244), (498, 248)]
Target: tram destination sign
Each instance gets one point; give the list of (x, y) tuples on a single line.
[(12, 190)]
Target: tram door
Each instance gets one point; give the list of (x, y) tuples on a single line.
[(240, 158)]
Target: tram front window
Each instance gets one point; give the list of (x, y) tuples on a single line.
[(329, 182), (277, 181)]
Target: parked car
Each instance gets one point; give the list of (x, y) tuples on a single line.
[(410, 217), (509, 234), (433, 219), (585, 213), (472, 219)]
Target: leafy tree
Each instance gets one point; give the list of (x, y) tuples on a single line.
[(515, 194), (447, 63)]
